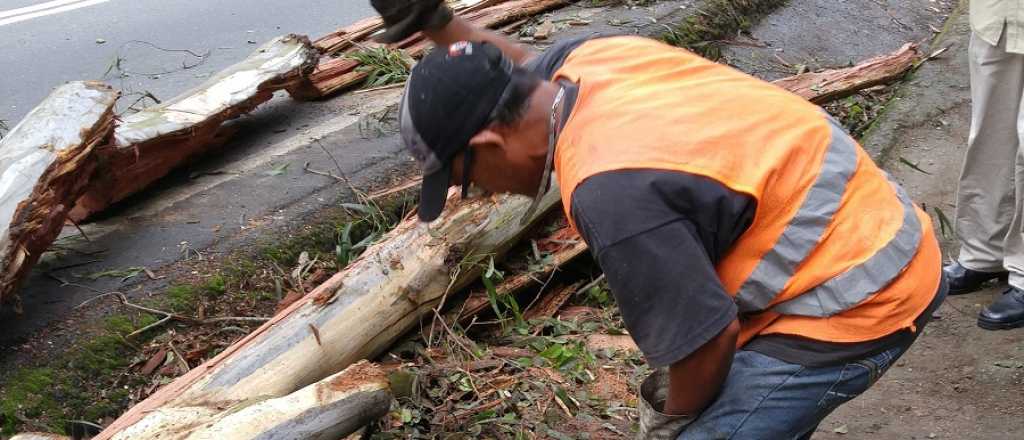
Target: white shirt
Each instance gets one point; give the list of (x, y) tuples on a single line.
[(988, 18)]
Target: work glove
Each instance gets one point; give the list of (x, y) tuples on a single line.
[(654, 424), (402, 18)]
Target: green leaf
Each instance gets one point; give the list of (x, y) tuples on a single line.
[(278, 170), (357, 207), (124, 274), (945, 225)]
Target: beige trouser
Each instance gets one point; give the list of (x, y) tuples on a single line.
[(990, 197)]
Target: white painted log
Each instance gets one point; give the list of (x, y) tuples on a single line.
[(45, 162), (355, 315)]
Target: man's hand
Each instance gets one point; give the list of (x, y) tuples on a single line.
[(406, 17), (655, 424)]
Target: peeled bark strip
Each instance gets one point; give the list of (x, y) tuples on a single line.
[(356, 314), (334, 75), (152, 142), (45, 162), (328, 410), (829, 85)]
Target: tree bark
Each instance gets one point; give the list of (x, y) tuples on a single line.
[(832, 84), (149, 144), (44, 163)]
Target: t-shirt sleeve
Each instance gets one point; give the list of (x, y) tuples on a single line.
[(549, 61), (667, 290), (658, 235)]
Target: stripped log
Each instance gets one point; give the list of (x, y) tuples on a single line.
[(334, 75), (829, 85), (45, 162), (149, 144), (356, 314), (328, 409)]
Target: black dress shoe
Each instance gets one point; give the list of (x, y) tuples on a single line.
[(963, 280), (1006, 313)]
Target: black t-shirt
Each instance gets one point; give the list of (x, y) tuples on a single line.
[(658, 235)]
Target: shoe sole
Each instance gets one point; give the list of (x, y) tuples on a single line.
[(996, 325), (963, 291)]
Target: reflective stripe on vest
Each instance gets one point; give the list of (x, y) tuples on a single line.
[(857, 284), (804, 232)]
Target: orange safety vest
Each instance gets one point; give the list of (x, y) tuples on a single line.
[(836, 251)]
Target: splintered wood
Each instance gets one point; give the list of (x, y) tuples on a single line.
[(149, 144), (45, 162)]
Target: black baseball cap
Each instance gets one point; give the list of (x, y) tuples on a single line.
[(450, 97)]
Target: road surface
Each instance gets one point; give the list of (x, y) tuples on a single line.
[(164, 46)]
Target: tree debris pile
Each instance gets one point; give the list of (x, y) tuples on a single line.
[(550, 360), (45, 161)]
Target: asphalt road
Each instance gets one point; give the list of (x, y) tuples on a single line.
[(46, 43)]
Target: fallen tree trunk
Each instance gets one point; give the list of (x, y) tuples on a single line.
[(328, 410), (832, 84), (333, 75), (44, 163), (356, 314), (149, 144)]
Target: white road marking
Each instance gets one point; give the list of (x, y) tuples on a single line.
[(34, 8), (44, 9)]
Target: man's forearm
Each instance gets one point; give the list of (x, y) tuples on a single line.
[(695, 380), (460, 30)]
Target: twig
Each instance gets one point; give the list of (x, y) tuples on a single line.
[(307, 169), (410, 184), (589, 285), (177, 355), (80, 231), (452, 334), (149, 327), (74, 265), (374, 89)]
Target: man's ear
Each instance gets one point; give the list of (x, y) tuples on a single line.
[(487, 138)]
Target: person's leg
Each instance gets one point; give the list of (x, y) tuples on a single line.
[(985, 196), (767, 398), (1013, 246)]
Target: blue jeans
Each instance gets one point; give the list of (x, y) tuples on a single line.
[(765, 398)]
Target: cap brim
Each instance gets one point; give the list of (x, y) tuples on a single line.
[(434, 193)]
